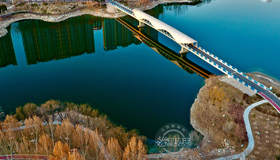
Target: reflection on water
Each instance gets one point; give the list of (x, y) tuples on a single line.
[(180, 8), (182, 62), (125, 83), (45, 41), (7, 52), (115, 34)]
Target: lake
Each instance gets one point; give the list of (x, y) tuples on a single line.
[(99, 61)]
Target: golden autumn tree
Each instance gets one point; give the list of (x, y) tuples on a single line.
[(216, 94), (10, 122), (25, 144), (45, 144), (9, 125), (81, 138), (134, 150), (34, 125), (96, 146), (75, 156), (29, 109), (50, 128), (60, 151), (19, 113), (64, 132), (114, 149), (3, 143)]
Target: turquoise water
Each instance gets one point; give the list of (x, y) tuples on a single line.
[(245, 33), (98, 61)]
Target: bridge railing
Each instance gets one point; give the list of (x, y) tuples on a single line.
[(130, 12), (221, 69), (127, 11), (235, 69), (120, 4), (121, 7)]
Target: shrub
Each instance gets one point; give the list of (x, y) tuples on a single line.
[(34, 5), (3, 8)]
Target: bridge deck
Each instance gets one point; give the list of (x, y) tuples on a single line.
[(274, 101), (188, 44)]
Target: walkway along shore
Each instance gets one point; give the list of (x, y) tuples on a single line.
[(251, 142)]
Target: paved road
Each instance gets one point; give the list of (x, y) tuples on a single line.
[(251, 142), (272, 99)]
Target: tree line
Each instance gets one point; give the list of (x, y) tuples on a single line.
[(83, 133)]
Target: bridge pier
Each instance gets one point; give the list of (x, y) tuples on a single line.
[(141, 24), (183, 52)]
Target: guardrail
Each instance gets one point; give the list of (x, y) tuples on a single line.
[(122, 7), (221, 68), (233, 68), (125, 8)]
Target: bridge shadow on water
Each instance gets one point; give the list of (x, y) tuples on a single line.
[(181, 61)]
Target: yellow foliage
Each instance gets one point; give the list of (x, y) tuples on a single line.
[(45, 144), (75, 156), (216, 94), (134, 150), (60, 151), (10, 122), (29, 109), (114, 149)]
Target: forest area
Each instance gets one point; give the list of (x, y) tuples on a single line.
[(67, 131)]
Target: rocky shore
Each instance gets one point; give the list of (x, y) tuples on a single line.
[(84, 11)]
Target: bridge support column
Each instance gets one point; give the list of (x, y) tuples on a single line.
[(141, 29), (141, 24), (183, 52)]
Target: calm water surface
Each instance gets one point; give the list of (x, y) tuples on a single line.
[(98, 61)]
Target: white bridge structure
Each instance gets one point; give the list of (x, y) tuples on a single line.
[(190, 45)]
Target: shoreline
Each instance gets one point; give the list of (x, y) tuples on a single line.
[(267, 78), (53, 18), (209, 136)]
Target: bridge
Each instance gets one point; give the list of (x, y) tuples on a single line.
[(190, 45), (166, 52)]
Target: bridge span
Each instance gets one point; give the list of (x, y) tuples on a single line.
[(190, 45)]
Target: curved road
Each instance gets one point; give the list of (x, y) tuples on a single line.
[(251, 142)]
